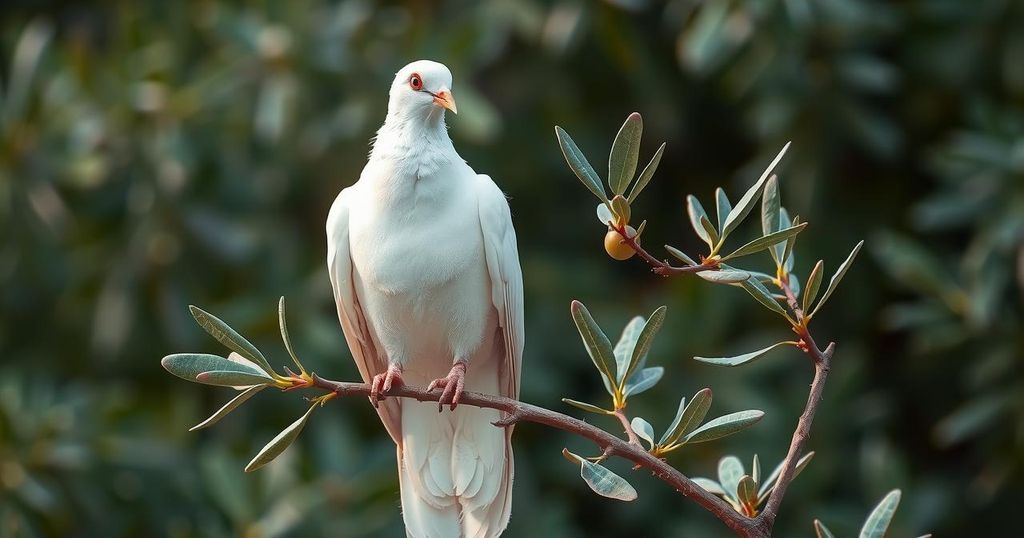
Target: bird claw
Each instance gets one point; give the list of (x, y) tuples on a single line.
[(452, 386), (381, 384)]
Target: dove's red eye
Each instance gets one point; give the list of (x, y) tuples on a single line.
[(415, 82)]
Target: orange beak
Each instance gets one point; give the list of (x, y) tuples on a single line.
[(443, 98)]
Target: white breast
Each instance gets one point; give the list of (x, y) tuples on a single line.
[(418, 252)]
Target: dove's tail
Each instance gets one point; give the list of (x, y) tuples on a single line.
[(455, 470)]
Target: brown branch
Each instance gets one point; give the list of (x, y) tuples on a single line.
[(516, 411), (822, 364)]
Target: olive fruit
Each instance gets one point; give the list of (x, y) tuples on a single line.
[(616, 247)]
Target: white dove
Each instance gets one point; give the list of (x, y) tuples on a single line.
[(422, 257)]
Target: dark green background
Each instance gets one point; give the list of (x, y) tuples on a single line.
[(156, 154)]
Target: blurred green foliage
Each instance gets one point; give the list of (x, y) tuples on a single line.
[(156, 154)]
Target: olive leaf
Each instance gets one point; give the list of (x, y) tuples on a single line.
[(730, 470), (880, 517), (680, 255), (647, 174), (821, 530), (725, 425), (228, 407), (189, 365), (644, 341), (643, 429), (741, 359), (813, 283), (643, 380), (836, 278), (625, 152), (723, 207), (598, 346), (688, 417), (746, 203), (230, 378), (283, 323), (606, 483), (696, 212), (587, 407), (227, 336), (579, 164), (765, 242), (724, 276), (281, 442)]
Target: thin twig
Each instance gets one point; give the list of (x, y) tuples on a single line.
[(633, 439), (660, 267), (611, 445), (822, 364)]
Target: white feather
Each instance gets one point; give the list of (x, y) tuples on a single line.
[(423, 261)]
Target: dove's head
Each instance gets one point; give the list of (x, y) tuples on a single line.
[(422, 88)]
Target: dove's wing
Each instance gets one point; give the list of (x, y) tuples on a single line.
[(506, 278), (350, 312)]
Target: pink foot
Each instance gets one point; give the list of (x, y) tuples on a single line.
[(452, 386), (382, 383)]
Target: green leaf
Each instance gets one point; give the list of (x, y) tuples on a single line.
[(579, 164), (227, 336), (730, 470), (606, 483), (228, 407), (594, 339), (189, 365), (620, 207), (725, 425), (278, 444), (770, 205), (283, 323), (724, 276), (647, 174), (696, 211), (643, 429), (709, 229), (625, 153), (644, 341), (723, 207), (643, 380), (836, 278), (709, 485), (740, 359), (765, 242), (769, 483), (755, 472), (879, 519), (623, 350), (821, 530), (813, 283), (680, 255), (746, 203), (604, 215), (590, 408), (688, 417), (757, 290), (770, 221), (785, 250), (229, 378), (746, 491)]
